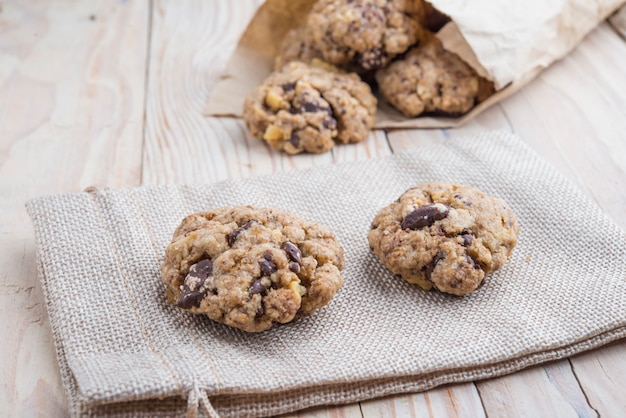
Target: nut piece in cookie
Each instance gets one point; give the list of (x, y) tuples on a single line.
[(363, 35), (302, 108), (251, 267), (444, 235), (431, 80)]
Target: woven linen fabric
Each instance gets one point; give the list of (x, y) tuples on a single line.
[(124, 351)]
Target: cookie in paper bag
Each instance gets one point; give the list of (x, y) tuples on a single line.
[(251, 268), (432, 80), (363, 35), (304, 108), (444, 235)]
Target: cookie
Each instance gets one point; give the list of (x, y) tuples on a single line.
[(294, 48), (251, 268), (444, 235), (431, 80), (302, 108), (363, 35)]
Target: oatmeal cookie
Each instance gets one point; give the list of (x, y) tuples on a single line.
[(363, 35), (444, 235), (431, 80), (307, 109), (251, 267), (294, 48)]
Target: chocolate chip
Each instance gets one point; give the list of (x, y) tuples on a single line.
[(295, 267), (267, 267), (257, 287), (201, 269), (314, 108), (259, 312), (428, 269), (288, 86), (232, 237), (467, 239), (189, 299), (192, 293), (329, 123), (458, 196), (268, 256), (425, 215), (292, 251), (294, 139), (471, 262), (371, 60)]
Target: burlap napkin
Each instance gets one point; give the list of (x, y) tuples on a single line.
[(123, 351)]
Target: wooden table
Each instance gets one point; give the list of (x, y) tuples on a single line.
[(110, 93)]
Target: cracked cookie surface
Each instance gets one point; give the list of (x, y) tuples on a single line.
[(302, 108), (431, 80), (444, 235), (363, 35), (251, 267)]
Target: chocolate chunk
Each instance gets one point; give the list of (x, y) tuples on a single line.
[(201, 269), (467, 239), (471, 262), (288, 87), (295, 267), (314, 108), (232, 237), (192, 293), (329, 123), (458, 196), (294, 139), (268, 256), (428, 269), (371, 60), (267, 267), (257, 287), (292, 251), (425, 215), (189, 299)]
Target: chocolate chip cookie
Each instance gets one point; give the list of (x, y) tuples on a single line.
[(251, 267), (431, 80), (295, 48), (363, 35), (444, 235), (302, 108)]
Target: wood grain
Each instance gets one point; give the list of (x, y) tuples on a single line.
[(532, 393), (71, 115), (190, 43), (454, 401), (601, 375), (350, 411)]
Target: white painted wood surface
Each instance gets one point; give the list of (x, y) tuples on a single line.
[(111, 94)]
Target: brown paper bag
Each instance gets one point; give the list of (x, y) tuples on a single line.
[(507, 41)]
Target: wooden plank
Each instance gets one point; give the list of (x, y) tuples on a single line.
[(71, 115), (550, 391), (601, 375), (190, 44), (456, 401), (349, 411)]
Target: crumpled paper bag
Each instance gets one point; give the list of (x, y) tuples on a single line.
[(507, 41)]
